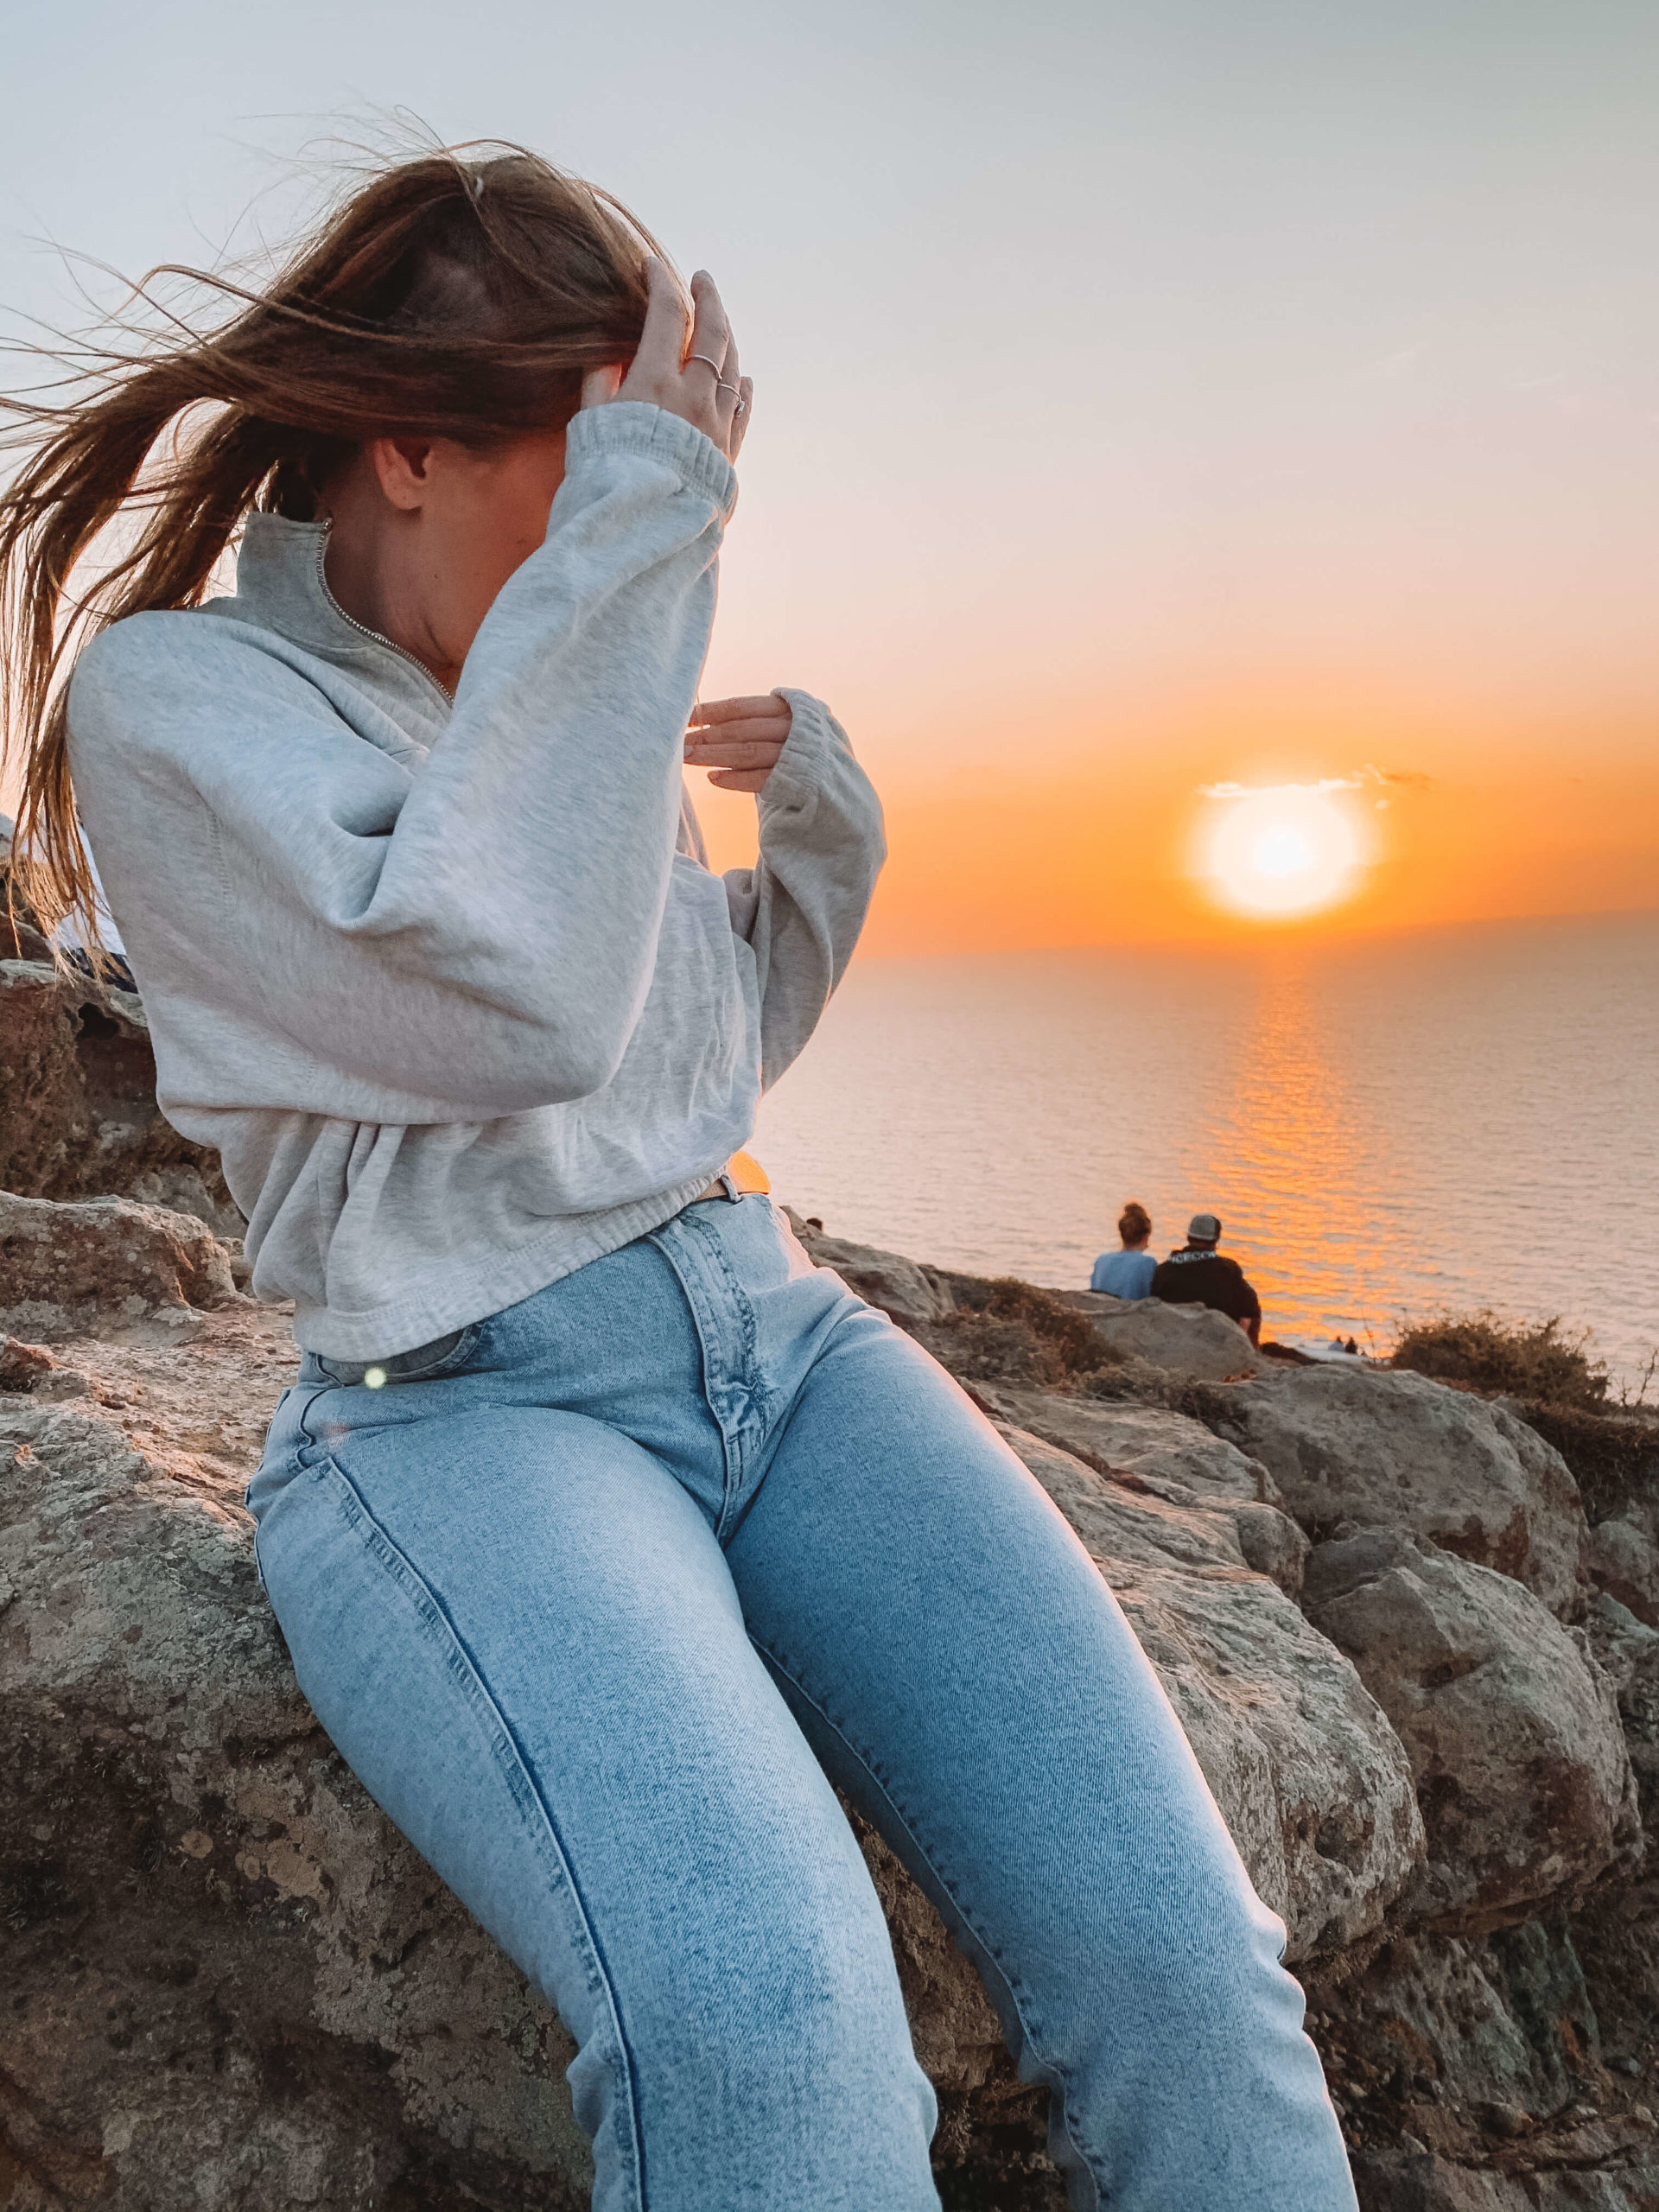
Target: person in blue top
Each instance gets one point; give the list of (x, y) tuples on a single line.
[(1128, 1273)]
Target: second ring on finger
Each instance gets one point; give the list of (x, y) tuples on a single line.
[(730, 383), (721, 383)]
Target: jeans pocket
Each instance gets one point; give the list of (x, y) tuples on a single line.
[(425, 1363)]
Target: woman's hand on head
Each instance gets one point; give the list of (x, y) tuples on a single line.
[(738, 739), (686, 365)]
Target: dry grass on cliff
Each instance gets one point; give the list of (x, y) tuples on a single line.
[(1005, 1331), (1516, 1359), (1610, 1444)]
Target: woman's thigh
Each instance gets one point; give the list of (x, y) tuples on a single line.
[(523, 1638), (963, 1671)]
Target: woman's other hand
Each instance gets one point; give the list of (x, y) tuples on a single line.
[(691, 372), (738, 739)]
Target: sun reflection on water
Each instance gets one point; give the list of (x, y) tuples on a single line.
[(1301, 1142), (1387, 1127)]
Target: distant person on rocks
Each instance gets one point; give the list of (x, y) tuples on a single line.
[(607, 1533), (1200, 1275), (1128, 1273)]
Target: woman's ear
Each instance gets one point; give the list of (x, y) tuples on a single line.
[(403, 468)]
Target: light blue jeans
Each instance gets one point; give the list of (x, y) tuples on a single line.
[(598, 1596)]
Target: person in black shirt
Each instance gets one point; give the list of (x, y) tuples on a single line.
[(1198, 1275)]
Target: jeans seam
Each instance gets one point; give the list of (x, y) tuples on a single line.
[(1059, 2075), (395, 1559), (739, 1453), (321, 1390), (735, 1438)]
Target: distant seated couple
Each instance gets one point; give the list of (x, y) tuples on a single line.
[(1196, 1275)]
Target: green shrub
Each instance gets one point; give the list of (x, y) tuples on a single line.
[(1520, 1359)]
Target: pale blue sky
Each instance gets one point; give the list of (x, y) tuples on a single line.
[(1104, 352)]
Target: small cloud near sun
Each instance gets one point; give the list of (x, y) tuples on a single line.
[(1369, 776)]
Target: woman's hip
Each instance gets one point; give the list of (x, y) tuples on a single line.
[(692, 1343)]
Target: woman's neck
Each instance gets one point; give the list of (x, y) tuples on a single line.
[(372, 563)]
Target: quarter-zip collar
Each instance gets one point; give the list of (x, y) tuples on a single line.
[(281, 585)]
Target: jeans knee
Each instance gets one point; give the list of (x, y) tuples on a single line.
[(784, 2057), (803, 1978), (1224, 1967), (809, 1993)]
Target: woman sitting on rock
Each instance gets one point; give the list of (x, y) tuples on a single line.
[(609, 1537)]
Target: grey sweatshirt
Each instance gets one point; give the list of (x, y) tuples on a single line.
[(450, 987)]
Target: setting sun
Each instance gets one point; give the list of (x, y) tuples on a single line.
[(1280, 853)]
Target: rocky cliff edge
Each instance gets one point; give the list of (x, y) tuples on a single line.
[(1421, 1677)]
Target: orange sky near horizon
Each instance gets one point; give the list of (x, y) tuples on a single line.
[(1092, 844), (1147, 398)]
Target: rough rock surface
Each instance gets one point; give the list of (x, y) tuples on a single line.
[(1513, 1731), (224, 1963), (1488, 2067), (1396, 1451), (1515, 2070), (105, 1265), (909, 1292), (1621, 1558), (1311, 1780), (229, 1981), (78, 1112), (1614, 1457), (1170, 1455), (198, 1869), (1187, 1340)]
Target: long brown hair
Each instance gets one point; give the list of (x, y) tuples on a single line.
[(460, 295)]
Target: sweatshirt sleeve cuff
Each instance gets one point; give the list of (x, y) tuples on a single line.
[(817, 793), (631, 426), (794, 786)]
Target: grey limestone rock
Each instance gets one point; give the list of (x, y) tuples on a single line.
[(1513, 1731), (230, 1981), (106, 1267), (1186, 1340), (1621, 1558), (1396, 1451), (1167, 1455), (909, 1294)]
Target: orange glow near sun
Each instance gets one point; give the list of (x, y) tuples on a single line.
[(1278, 853)]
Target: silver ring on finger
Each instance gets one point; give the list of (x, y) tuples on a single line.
[(708, 364)]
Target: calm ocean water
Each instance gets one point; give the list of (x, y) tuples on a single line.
[(1388, 1127)]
